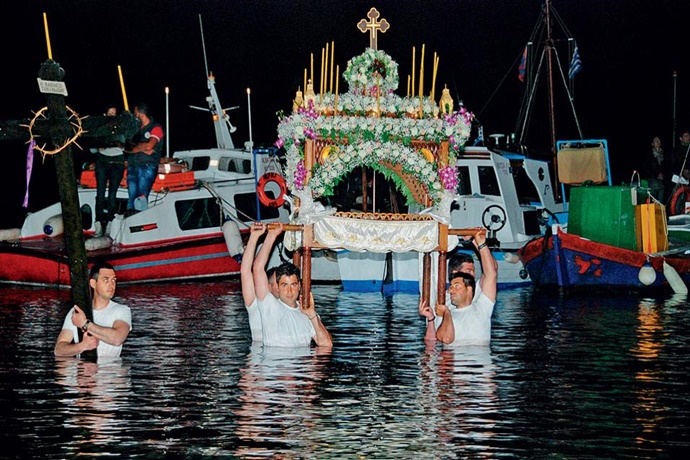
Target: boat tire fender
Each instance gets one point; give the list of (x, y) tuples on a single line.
[(261, 189), (678, 198)]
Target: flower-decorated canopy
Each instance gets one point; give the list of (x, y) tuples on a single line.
[(408, 139)]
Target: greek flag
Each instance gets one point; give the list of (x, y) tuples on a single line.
[(522, 65), (575, 64)]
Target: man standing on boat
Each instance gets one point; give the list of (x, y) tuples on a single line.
[(111, 323), (285, 322), (467, 320), (110, 168), (143, 159)]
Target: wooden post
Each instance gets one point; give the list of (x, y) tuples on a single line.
[(426, 275), (307, 243), (441, 282), (67, 182)]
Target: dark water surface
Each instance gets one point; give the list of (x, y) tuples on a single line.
[(565, 377)]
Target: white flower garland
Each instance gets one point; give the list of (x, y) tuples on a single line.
[(372, 139), (372, 69)]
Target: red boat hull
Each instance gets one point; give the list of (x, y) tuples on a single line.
[(45, 263)]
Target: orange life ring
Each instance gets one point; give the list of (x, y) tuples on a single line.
[(261, 189), (680, 196)]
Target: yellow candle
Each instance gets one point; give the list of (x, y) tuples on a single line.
[(337, 79), (312, 68), (45, 25), (305, 79), (122, 85), (421, 81), (413, 66), (325, 71), (330, 85), (408, 85), (433, 78), (321, 82)]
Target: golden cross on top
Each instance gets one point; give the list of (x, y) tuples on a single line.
[(373, 26)]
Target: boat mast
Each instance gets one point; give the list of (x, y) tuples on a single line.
[(221, 120), (549, 69)]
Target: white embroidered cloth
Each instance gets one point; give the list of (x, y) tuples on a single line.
[(376, 235)]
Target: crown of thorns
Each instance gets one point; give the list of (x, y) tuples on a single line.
[(77, 130)]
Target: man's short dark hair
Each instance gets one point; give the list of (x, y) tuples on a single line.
[(467, 279), (270, 272), (287, 269), (456, 261), (142, 107), (96, 268)]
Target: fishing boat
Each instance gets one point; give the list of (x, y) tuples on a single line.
[(202, 202), (617, 244)]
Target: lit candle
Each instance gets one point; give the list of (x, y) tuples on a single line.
[(312, 68), (321, 81), (330, 86), (122, 85), (45, 25), (337, 79), (325, 70), (433, 78), (305, 79), (408, 85), (413, 66), (421, 82)]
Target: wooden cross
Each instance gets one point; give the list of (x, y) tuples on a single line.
[(373, 27), (56, 127)]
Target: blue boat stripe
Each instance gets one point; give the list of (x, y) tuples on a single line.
[(155, 263)]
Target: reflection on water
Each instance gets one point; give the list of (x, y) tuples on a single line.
[(94, 394), (564, 377)]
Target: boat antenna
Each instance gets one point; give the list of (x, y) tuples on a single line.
[(249, 145), (167, 123), (203, 45), (549, 67), (221, 120)]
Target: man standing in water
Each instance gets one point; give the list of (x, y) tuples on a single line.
[(111, 324), (285, 322), (247, 281), (467, 321)]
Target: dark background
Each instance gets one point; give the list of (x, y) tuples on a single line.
[(625, 92)]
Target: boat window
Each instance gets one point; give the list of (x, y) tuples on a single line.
[(526, 190), (198, 214), (245, 203), (227, 164), (200, 163), (488, 183), (464, 184), (235, 165)]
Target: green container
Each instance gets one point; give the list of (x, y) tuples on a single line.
[(605, 214)]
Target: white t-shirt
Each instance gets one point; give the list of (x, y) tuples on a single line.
[(254, 317), (284, 326), (105, 317), (472, 323)]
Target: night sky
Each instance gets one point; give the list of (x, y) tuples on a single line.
[(625, 92)]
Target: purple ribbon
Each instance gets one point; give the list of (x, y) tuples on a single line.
[(29, 166)]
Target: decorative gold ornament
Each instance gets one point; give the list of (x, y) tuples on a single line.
[(446, 102), (298, 101), (309, 95)]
